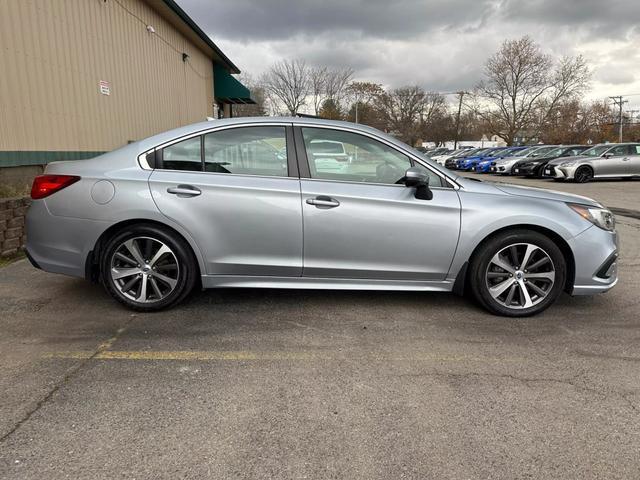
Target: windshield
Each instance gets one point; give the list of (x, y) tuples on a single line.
[(555, 152), (469, 152), (542, 151), (513, 153), (596, 151), (482, 151), (527, 151), (497, 151)]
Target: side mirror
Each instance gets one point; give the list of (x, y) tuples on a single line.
[(608, 155), (418, 178)]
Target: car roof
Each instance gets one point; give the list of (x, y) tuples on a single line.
[(186, 130)]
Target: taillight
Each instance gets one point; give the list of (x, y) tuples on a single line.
[(45, 185)]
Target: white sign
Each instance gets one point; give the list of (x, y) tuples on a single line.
[(105, 87)]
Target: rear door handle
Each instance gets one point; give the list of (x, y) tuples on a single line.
[(184, 191), (323, 202)]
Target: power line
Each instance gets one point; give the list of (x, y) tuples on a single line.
[(185, 57), (619, 102), (461, 94)]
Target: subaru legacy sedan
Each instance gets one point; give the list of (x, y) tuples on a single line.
[(254, 203)]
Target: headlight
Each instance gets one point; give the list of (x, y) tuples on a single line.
[(600, 217), (568, 163)]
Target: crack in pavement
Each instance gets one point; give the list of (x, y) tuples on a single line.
[(526, 380), (67, 377)]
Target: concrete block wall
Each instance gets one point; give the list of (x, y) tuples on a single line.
[(12, 225)]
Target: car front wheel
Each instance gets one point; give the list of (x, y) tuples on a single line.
[(583, 175), (518, 273), (148, 268)]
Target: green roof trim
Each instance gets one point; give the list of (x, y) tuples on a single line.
[(227, 89), (19, 158)]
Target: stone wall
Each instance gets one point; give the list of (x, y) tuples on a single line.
[(12, 226)]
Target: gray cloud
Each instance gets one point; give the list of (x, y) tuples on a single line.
[(279, 19), (438, 44)]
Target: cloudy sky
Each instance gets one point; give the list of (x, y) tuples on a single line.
[(438, 44)]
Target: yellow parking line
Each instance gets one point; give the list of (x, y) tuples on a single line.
[(263, 356)]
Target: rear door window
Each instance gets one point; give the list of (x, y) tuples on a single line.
[(258, 150), (184, 155)]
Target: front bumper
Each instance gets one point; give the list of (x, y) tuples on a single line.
[(558, 172), (502, 168), (596, 255), (526, 170)]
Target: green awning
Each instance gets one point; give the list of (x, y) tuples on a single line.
[(227, 89)]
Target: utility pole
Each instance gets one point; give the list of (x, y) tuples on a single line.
[(455, 141), (619, 102)]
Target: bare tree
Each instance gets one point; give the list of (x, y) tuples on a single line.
[(361, 96), (523, 87), (288, 82), (318, 83), (328, 84), (408, 110), (336, 83)]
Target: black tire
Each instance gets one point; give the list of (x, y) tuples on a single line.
[(583, 174), (480, 263), (187, 267)]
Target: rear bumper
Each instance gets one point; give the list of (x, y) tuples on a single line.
[(60, 244), (596, 254)]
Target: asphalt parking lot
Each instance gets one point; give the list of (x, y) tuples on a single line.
[(300, 384)]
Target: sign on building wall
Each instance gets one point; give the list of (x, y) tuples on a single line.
[(105, 87)]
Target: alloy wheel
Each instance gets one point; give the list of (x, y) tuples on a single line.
[(520, 276), (144, 269), (583, 175)]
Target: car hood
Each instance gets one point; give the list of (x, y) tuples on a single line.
[(522, 191), (546, 194)]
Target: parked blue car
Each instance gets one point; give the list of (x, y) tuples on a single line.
[(484, 165), (469, 163)]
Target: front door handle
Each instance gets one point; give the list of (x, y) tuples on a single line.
[(323, 202), (184, 191), (626, 159)]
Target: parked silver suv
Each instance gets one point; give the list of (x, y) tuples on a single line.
[(250, 203)]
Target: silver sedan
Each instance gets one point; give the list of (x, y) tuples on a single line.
[(601, 161), (265, 203)]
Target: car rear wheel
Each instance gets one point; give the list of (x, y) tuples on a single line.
[(518, 273), (147, 268), (583, 175)]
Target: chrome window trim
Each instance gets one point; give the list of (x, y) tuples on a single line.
[(328, 180), (404, 151), (144, 164), (142, 160), (196, 172), (220, 128)]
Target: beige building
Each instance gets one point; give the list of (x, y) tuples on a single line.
[(81, 77)]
